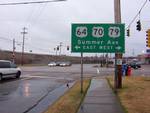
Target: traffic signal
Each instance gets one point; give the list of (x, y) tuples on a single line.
[(57, 48), (138, 26), (68, 48), (148, 38), (128, 32)]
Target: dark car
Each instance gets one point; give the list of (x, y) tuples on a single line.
[(135, 65), (58, 63)]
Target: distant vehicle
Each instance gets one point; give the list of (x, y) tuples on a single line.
[(65, 64), (135, 65), (58, 63), (51, 64), (9, 69)]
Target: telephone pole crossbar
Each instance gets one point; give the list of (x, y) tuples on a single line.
[(23, 42)]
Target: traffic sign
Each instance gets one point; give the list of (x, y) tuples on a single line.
[(147, 50), (102, 38)]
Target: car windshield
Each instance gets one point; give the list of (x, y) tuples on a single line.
[(52, 63)]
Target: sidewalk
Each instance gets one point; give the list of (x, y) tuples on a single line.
[(100, 99)]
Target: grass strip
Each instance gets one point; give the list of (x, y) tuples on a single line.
[(134, 94), (71, 100)]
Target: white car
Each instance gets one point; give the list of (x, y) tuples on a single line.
[(51, 64), (9, 69), (63, 64)]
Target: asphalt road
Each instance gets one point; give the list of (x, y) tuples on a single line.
[(72, 72), (19, 95)]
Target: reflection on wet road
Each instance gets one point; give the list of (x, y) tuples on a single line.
[(19, 95)]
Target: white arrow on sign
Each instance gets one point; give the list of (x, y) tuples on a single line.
[(118, 48), (77, 47)]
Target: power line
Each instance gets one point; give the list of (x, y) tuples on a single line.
[(137, 14), (36, 17), (6, 39), (26, 3), (35, 47)]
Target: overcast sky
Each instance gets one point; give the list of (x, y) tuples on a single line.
[(50, 23)]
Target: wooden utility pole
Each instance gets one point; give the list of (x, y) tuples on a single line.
[(13, 55), (118, 56), (22, 55)]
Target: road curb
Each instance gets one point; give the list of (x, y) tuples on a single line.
[(49, 99)]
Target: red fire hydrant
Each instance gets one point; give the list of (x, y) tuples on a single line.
[(129, 71)]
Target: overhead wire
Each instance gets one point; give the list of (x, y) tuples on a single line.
[(29, 18), (6, 39), (18, 42), (138, 14), (35, 18), (32, 2)]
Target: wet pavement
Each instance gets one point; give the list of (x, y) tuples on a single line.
[(19, 96), (49, 99), (100, 99), (38, 83)]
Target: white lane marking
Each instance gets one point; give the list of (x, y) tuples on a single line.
[(38, 75), (98, 71)]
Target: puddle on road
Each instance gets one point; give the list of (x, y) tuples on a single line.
[(27, 88), (22, 94)]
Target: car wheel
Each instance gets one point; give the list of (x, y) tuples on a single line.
[(18, 74), (1, 77)]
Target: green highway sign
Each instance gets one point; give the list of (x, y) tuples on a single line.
[(98, 38)]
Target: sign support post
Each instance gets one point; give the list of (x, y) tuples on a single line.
[(81, 72), (100, 38)]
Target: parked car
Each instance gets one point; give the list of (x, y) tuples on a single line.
[(51, 64), (135, 65), (9, 69)]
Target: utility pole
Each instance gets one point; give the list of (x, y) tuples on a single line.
[(60, 45), (13, 55), (118, 56), (22, 55), (133, 52)]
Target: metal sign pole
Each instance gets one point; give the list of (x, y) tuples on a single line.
[(81, 72), (115, 78)]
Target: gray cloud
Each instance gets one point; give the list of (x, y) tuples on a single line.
[(49, 24)]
